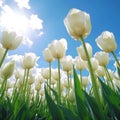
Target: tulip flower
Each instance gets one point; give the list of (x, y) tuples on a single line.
[(106, 42), (29, 60), (10, 40), (58, 48), (102, 58), (45, 73), (7, 70), (100, 71), (78, 23), (79, 63), (94, 63), (81, 51), (48, 55), (85, 81), (67, 63)]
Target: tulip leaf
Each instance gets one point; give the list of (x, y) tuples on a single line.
[(54, 92), (112, 98), (80, 100), (118, 71), (53, 108), (68, 114), (94, 107)]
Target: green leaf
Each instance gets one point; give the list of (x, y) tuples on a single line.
[(94, 107), (53, 108), (112, 98), (68, 114), (80, 100), (118, 71), (54, 92)]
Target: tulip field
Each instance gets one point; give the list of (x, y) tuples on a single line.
[(63, 93)]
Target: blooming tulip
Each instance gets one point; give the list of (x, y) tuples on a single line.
[(85, 81), (94, 63), (106, 41), (29, 60), (10, 40), (79, 63), (102, 58), (100, 71), (67, 63), (78, 24), (45, 73), (7, 70), (48, 55), (81, 51), (58, 48)]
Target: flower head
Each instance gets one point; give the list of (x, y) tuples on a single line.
[(10, 40), (106, 41), (78, 23)]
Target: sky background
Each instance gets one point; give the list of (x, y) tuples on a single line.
[(44, 19)]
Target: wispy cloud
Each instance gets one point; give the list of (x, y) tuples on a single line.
[(23, 4)]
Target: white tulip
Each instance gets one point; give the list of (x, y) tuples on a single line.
[(7, 70), (29, 60), (85, 81), (45, 73), (67, 63), (58, 48), (79, 63), (48, 55), (78, 23), (81, 52), (102, 58), (10, 40), (106, 41), (94, 63), (100, 71)]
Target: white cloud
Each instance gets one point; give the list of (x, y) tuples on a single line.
[(23, 4), (10, 19), (1, 3), (35, 22)]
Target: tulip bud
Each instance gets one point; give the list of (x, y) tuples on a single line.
[(94, 63), (45, 73), (79, 63), (67, 63), (7, 70), (58, 48), (48, 55), (81, 52), (78, 23), (106, 41), (100, 71), (10, 40), (102, 58), (29, 60), (85, 81)]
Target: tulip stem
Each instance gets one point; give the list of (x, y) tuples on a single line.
[(3, 57), (50, 75), (59, 82), (118, 64), (95, 89)]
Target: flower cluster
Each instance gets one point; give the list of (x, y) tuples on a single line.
[(63, 93)]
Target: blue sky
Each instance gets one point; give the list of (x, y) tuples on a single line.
[(104, 16)]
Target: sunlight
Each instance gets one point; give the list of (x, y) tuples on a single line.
[(16, 22)]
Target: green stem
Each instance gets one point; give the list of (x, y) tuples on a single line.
[(3, 57), (68, 84), (109, 77), (80, 77), (94, 84), (59, 83), (118, 64), (49, 76)]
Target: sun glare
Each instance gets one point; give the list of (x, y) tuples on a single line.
[(15, 22)]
